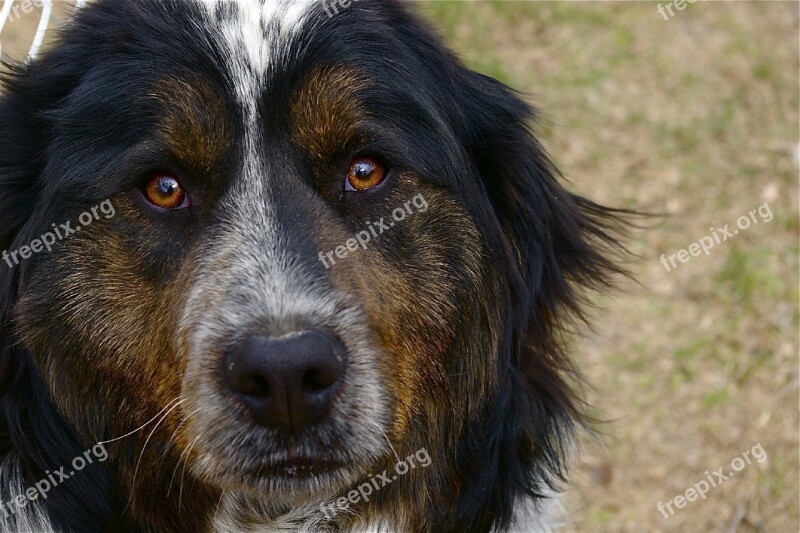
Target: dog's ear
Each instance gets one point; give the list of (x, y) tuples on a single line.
[(30, 426), (21, 160), (554, 246), (562, 244), (28, 94), (20, 164)]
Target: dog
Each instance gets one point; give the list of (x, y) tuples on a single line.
[(274, 266)]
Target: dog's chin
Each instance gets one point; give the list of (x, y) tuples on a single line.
[(289, 482)]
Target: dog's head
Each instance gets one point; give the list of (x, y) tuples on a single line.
[(301, 238)]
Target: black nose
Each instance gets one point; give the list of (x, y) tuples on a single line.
[(289, 381)]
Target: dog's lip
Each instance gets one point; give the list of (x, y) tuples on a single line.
[(299, 467)]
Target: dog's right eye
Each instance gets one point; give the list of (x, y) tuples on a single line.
[(166, 192), (365, 173)]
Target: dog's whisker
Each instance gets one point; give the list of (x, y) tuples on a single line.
[(146, 442), (173, 436), (169, 406), (390, 444), (185, 465), (219, 503), (182, 456), (174, 471)]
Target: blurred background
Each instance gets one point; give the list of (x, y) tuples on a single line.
[(695, 115)]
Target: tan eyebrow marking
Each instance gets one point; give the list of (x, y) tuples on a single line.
[(195, 122), (326, 111)]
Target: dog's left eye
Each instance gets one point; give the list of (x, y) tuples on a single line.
[(166, 192), (364, 173)]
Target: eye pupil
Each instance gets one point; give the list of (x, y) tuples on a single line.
[(363, 170), (167, 186), (365, 173), (165, 191)]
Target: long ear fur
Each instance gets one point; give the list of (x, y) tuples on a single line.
[(34, 437), (20, 163), (557, 246)]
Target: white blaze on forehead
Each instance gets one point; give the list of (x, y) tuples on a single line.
[(254, 37), (254, 34)]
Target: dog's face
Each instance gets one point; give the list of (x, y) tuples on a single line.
[(321, 239)]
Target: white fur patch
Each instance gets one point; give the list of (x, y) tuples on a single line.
[(255, 34), (530, 516), (542, 516), (32, 517)]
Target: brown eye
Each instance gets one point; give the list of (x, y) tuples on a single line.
[(165, 191), (365, 173)]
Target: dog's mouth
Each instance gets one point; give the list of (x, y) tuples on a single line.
[(292, 480), (300, 468), (308, 467)]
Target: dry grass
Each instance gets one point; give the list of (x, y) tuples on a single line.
[(696, 117)]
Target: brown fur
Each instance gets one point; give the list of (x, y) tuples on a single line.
[(199, 139)]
